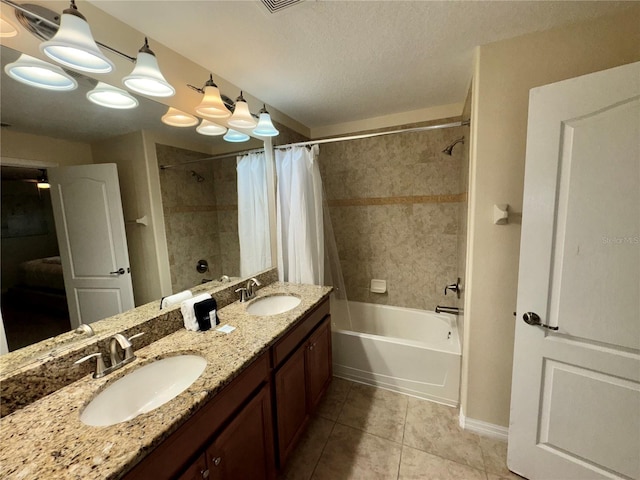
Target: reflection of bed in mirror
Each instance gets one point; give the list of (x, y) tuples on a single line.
[(35, 308), (41, 276)]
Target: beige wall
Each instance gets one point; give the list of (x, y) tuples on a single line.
[(504, 73), (38, 148), (394, 203), (127, 152)]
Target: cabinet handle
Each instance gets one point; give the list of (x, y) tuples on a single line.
[(204, 473), (216, 461)]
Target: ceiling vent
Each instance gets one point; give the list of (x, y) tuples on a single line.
[(274, 6)]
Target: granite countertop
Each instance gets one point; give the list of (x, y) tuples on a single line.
[(47, 440)]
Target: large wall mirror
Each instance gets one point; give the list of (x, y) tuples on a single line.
[(181, 232)]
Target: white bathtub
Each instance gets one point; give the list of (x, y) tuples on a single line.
[(411, 351)]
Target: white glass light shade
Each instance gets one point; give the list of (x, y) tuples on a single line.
[(265, 127), (212, 105), (209, 128), (108, 96), (7, 29), (147, 79), (43, 185), (235, 137), (241, 117), (176, 118), (37, 73), (73, 46)]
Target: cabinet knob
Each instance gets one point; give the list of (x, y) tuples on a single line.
[(216, 461), (204, 473)]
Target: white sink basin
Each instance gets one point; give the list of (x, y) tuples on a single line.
[(273, 305), (143, 390)]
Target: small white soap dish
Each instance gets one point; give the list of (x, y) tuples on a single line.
[(378, 286)]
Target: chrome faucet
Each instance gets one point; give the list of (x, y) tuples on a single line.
[(117, 359), (454, 287), (247, 292), (252, 282)]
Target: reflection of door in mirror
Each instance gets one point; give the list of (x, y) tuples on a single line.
[(36, 275), (34, 304), (93, 246), (200, 208)]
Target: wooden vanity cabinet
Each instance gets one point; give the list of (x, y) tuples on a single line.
[(199, 470), (179, 456), (232, 437), (301, 381), (244, 449), (318, 364)]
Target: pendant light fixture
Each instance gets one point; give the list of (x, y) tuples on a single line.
[(265, 127), (37, 73), (209, 128), (241, 117), (177, 118), (235, 137), (43, 180), (146, 77), (73, 45), (109, 96), (212, 105)]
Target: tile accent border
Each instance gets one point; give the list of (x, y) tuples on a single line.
[(406, 200), (203, 208), (483, 428)]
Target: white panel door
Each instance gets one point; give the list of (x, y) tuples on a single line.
[(93, 246), (575, 404)]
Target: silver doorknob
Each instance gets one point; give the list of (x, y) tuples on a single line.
[(120, 271), (216, 461), (532, 318)]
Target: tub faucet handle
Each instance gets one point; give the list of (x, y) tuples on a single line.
[(454, 287)]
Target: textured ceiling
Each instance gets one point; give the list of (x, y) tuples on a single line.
[(328, 62)]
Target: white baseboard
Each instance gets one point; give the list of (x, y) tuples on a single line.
[(483, 428)]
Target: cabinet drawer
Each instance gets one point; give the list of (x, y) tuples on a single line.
[(291, 340)]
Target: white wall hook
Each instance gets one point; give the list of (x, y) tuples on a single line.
[(501, 214)]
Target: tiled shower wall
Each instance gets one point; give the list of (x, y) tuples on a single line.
[(395, 207), (201, 218)]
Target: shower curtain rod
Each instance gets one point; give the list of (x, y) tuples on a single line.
[(326, 140)]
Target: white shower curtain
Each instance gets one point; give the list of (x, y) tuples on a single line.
[(253, 214), (299, 216)]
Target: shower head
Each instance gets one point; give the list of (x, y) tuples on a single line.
[(199, 178), (449, 149)]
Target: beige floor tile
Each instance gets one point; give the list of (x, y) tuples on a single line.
[(494, 453), (509, 476), (331, 404), (419, 465), (434, 428), (352, 454), (304, 458), (376, 411)]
